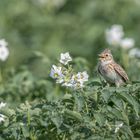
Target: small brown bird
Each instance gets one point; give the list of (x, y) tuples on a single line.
[(110, 70)]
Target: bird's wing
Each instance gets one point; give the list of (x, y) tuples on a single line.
[(121, 72)]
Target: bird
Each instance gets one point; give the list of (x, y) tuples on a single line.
[(112, 72)]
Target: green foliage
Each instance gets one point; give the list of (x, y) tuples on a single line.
[(91, 113)]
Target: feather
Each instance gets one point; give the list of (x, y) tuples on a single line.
[(120, 71)]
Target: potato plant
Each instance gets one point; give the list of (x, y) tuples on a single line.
[(46, 108)]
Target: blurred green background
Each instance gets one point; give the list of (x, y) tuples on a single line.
[(56, 26)]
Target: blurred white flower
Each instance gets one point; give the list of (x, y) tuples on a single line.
[(58, 3), (2, 105), (56, 72), (65, 58), (118, 127), (50, 3), (40, 2), (4, 52), (137, 2), (43, 1), (127, 43), (135, 52), (2, 117), (114, 34)]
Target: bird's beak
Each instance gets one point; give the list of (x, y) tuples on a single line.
[(100, 56)]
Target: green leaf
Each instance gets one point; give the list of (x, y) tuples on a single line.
[(116, 113), (118, 102), (73, 114), (100, 118), (79, 102), (106, 93), (130, 99), (25, 131), (57, 121)]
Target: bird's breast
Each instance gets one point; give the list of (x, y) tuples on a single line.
[(108, 72)]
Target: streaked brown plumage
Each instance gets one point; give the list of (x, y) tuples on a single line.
[(112, 72)]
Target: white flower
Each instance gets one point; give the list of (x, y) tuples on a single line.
[(118, 127), (77, 81), (60, 80), (4, 52), (135, 52), (2, 105), (82, 76), (65, 58), (114, 34), (2, 117), (127, 43), (65, 76), (56, 72), (69, 82)]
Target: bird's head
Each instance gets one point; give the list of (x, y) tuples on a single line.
[(105, 56)]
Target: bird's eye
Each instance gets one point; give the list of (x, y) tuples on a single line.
[(106, 55)]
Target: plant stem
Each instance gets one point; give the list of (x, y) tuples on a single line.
[(1, 79), (28, 118), (86, 107)]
